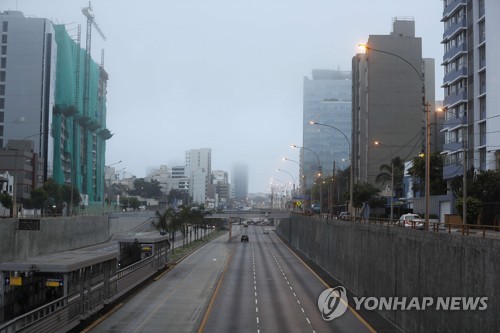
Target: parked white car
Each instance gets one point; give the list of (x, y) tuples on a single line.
[(411, 221)]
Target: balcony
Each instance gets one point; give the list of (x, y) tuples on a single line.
[(452, 76), (452, 170), (454, 28), (453, 6), (454, 99), (453, 52), (452, 146)]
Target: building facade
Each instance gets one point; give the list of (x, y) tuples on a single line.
[(54, 95), (471, 72), (327, 101), (199, 170), (28, 83), (239, 181), (389, 81)]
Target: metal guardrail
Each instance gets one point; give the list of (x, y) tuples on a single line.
[(65, 313), (436, 227)]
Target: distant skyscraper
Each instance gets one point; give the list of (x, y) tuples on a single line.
[(471, 85), (199, 170), (327, 100), (240, 182), (387, 100)]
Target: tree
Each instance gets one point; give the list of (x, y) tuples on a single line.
[(167, 222), (385, 175), (176, 195), (66, 195), (146, 189), (417, 171), (484, 187), (163, 220), (362, 193), (474, 206), (39, 197), (130, 202), (7, 202)]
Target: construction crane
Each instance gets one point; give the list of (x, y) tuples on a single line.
[(89, 14)]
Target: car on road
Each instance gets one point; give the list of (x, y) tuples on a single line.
[(344, 216), (265, 231), (411, 221), (244, 238)]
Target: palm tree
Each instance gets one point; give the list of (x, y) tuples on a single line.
[(385, 175), (166, 223)]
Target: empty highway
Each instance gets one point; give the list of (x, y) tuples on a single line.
[(259, 286)]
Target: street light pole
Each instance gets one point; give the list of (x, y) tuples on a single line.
[(351, 172), (378, 143), (106, 168), (425, 109), (319, 176), (293, 179), (300, 168)]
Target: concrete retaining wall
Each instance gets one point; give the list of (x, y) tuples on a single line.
[(60, 234), (381, 261)]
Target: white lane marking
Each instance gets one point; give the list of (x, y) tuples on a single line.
[(288, 282)]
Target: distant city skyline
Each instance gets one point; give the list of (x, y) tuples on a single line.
[(223, 75)]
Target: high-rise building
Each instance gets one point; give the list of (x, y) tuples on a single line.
[(471, 72), (220, 189), (387, 100), (199, 170), (28, 83), (327, 101), (239, 180), (54, 95)]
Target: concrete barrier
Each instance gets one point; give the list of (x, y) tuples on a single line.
[(58, 234), (382, 261)]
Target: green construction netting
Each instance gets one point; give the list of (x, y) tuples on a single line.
[(69, 109)]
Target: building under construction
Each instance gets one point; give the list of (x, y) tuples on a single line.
[(65, 120)]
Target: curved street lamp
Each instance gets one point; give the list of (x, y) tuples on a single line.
[(425, 109), (319, 175), (293, 179), (351, 171), (106, 167), (300, 185)]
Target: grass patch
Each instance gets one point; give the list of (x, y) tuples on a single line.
[(182, 251)]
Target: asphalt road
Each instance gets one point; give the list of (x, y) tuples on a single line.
[(259, 286), (267, 288), (176, 302)]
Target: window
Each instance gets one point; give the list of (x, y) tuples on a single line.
[(5, 26), (1, 117), (482, 56), (482, 31), (4, 49), (3, 63), (2, 103), (2, 89), (482, 134), (482, 82), (4, 39), (482, 107), (2, 76)]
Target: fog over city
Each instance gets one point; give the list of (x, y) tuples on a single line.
[(225, 75)]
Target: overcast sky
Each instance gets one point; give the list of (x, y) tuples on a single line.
[(224, 74)]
